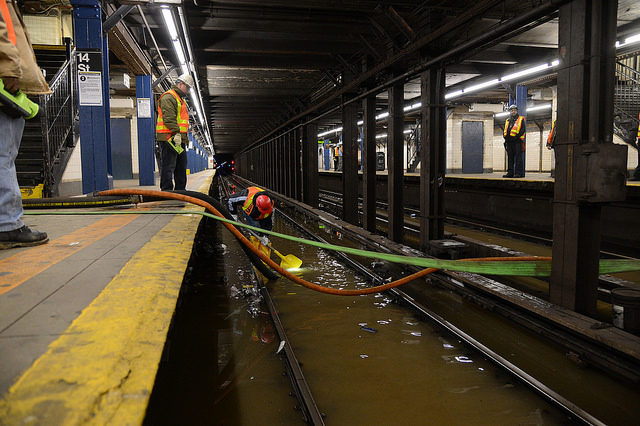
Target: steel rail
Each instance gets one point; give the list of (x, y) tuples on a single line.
[(536, 385), (307, 404)]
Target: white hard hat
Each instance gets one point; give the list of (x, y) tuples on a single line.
[(186, 79)]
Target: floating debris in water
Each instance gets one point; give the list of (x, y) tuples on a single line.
[(363, 356), (456, 359), (281, 346), (369, 329)]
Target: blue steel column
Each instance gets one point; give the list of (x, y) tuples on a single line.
[(93, 119), (146, 132), (106, 101)]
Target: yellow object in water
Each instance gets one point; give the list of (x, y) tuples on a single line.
[(289, 261)]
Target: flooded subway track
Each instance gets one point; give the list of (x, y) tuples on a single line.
[(367, 360), (582, 388), (219, 364)]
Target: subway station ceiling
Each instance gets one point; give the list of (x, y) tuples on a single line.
[(265, 65)]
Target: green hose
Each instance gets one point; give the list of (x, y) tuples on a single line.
[(528, 268)]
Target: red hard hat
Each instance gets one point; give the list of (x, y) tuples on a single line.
[(264, 204)]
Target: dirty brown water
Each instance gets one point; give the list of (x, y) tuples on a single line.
[(367, 360)]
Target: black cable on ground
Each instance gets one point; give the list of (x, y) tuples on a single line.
[(77, 202)]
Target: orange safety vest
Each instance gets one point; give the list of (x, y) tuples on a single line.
[(249, 205), (182, 118), (516, 127), (4, 9), (552, 135)]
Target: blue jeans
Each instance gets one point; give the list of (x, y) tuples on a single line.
[(10, 196)]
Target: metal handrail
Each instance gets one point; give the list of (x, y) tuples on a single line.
[(627, 100), (58, 110)]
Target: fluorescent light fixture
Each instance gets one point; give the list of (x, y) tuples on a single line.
[(453, 94), (412, 107), (535, 108), (179, 53), (383, 115), (482, 85), (170, 23), (508, 77), (328, 132), (539, 107), (524, 72), (632, 39)]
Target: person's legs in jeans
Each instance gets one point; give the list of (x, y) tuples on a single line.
[(10, 196)]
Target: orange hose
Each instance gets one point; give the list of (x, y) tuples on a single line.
[(278, 268)]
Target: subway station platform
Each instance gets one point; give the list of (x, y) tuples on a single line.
[(84, 318)]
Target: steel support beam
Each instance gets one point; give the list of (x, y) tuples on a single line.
[(298, 163), (350, 163), (395, 161), (587, 30), (369, 163), (310, 164), (432, 156)]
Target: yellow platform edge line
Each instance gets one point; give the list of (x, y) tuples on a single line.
[(102, 369)]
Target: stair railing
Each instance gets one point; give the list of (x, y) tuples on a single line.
[(58, 111), (413, 149)]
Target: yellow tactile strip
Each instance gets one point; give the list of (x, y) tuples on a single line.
[(102, 369)]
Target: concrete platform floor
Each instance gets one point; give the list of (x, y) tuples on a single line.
[(83, 318)]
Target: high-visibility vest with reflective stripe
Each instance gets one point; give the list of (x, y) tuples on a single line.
[(249, 205), (182, 118), (516, 127), (6, 15), (639, 128)]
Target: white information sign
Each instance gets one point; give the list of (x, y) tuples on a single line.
[(89, 77), (144, 108), (90, 88)]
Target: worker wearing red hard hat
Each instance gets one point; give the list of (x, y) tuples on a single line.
[(257, 206)]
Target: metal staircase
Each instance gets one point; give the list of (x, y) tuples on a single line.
[(49, 138), (627, 100)]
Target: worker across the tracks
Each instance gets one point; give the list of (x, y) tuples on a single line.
[(257, 206)]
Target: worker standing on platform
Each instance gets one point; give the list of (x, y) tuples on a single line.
[(636, 172), (257, 207), (514, 132), (20, 75), (551, 142), (171, 134)]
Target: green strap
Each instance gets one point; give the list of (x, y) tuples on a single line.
[(528, 268)]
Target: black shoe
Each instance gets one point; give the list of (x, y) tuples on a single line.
[(22, 237), (507, 176), (634, 178)]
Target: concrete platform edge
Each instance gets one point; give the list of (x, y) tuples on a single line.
[(103, 368)]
